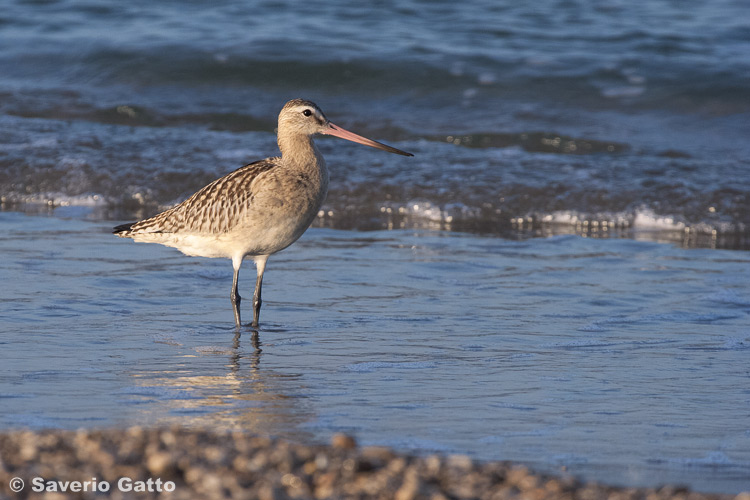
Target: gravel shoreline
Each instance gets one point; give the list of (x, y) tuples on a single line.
[(200, 464)]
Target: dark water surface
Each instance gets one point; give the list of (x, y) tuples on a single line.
[(441, 303), (545, 117)]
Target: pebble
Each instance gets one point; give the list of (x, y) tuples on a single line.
[(343, 441), (222, 465)]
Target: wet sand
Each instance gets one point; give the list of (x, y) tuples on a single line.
[(180, 463)]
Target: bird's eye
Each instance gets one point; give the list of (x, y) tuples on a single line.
[(307, 112)]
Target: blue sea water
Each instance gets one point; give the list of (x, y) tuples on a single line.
[(559, 276), (611, 359), (553, 116)]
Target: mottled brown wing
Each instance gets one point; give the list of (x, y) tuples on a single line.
[(214, 209)]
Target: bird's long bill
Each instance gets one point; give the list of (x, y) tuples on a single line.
[(337, 131)]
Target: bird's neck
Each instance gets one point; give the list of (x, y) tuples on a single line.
[(300, 152)]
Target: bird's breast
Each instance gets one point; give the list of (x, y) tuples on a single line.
[(281, 207)]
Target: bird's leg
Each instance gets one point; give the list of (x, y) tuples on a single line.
[(260, 264), (256, 300), (235, 295)]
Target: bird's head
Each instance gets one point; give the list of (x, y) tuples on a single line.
[(299, 116)]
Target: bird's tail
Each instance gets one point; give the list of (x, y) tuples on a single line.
[(122, 228)]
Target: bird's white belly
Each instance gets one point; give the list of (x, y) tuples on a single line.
[(266, 237), (257, 236)]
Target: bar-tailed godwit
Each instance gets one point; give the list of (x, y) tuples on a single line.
[(259, 209)]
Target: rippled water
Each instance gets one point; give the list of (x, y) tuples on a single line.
[(551, 117), (617, 360)]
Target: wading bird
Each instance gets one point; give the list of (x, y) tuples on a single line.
[(259, 209)]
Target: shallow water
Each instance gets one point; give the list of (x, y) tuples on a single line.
[(616, 360)]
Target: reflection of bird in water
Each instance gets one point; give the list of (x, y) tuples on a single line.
[(259, 209), (229, 388), (234, 359)]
